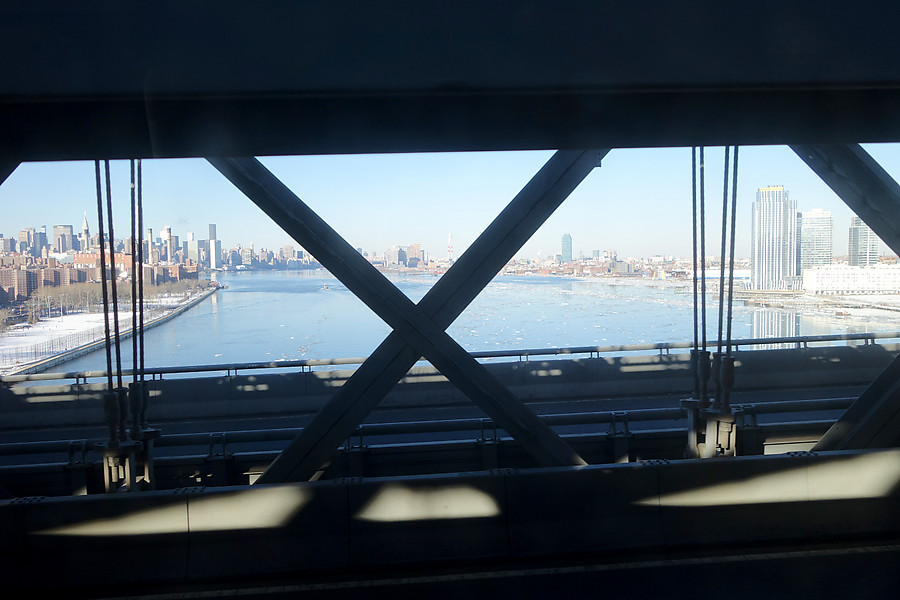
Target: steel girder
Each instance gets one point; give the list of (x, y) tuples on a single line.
[(418, 329), (873, 420), (112, 79), (7, 169)]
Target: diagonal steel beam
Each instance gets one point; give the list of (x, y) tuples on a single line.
[(409, 322), (445, 302), (861, 183), (873, 420), (6, 169)]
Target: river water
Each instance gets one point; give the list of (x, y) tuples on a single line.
[(274, 315)]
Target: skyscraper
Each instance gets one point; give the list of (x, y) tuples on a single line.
[(816, 238), (864, 244), (63, 238), (773, 241), (566, 248), (215, 248)]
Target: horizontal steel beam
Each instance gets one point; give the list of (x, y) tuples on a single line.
[(111, 79)]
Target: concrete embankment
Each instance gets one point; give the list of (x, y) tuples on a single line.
[(57, 359), (300, 393)]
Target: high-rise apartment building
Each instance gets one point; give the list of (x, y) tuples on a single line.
[(864, 245), (816, 238), (773, 241), (566, 248)]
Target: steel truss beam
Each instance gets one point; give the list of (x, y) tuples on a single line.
[(6, 169), (873, 420), (113, 79), (418, 330)]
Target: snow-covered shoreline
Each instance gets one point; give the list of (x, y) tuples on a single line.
[(23, 345)]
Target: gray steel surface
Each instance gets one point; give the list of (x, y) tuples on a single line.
[(224, 77)]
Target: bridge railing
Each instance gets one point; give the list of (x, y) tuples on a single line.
[(663, 348)]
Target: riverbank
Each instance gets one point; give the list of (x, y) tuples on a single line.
[(53, 341)]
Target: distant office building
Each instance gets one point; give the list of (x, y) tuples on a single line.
[(195, 250), (26, 241), (7, 244), (64, 238), (413, 254), (566, 255), (773, 241), (396, 257), (40, 241), (215, 248), (816, 239), (864, 245)]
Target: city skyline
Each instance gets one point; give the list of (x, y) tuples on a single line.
[(637, 202)]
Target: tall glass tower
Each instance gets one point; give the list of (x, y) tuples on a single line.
[(773, 241), (566, 248), (816, 238), (864, 244)]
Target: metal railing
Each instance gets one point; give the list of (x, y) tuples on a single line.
[(663, 348), (218, 441)]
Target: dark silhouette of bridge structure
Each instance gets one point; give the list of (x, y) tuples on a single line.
[(537, 511)]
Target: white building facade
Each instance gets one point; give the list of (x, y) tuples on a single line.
[(850, 281)]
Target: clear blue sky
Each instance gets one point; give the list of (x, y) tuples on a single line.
[(638, 203)]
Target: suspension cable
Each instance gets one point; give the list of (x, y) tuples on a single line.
[(704, 361), (734, 172), (702, 252), (112, 258), (729, 374), (722, 255), (140, 204), (719, 368), (109, 376), (694, 246), (134, 315)]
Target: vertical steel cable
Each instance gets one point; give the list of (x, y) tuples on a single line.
[(112, 262), (734, 172), (140, 203), (728, 381), (703, 357), (722, 254), (696, 348), (109, 381), (134, 316), (702, 252)]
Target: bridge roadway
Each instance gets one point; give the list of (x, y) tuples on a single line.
[(430, 502), (239, 423)]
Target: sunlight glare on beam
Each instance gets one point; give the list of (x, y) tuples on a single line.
[(398, 503), (257, 508)]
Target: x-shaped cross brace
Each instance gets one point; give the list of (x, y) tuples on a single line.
[(418, 329)]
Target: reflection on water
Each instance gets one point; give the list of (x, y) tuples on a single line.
[(776, 323), (268, 316)]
